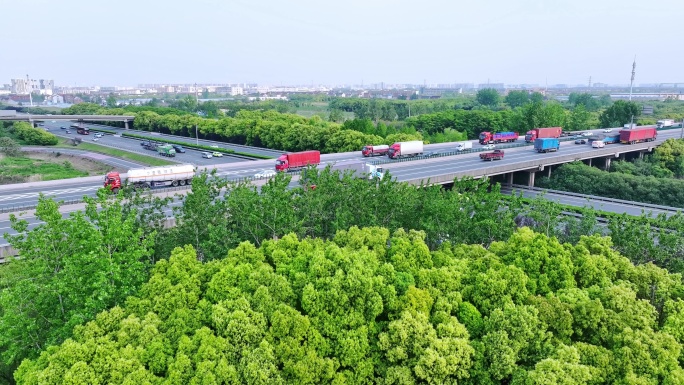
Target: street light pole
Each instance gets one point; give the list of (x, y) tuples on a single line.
[(197, 102), (30, 99)]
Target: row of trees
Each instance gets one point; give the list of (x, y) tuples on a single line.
[(371, 306), (268, 129)]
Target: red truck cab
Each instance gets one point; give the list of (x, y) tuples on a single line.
[(112, 181), (546, 132), (375, 150)]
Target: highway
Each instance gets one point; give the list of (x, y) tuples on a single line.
[(20, 196), (185, 139), (133, 145)]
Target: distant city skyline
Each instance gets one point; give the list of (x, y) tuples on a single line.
[(125, 43)]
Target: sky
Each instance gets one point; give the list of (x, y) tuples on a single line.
[(303, 42)]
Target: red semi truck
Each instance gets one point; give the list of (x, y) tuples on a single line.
[(636, 135), (375, 150), (297, 160), (500, 137), (548, 132)]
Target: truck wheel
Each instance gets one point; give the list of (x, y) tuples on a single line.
[(115, 190), (174, 183), (189, 182), (182, 182), (146, 185)]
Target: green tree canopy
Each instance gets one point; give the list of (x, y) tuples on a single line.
[(619, 114), (488, 97), (370, 307)]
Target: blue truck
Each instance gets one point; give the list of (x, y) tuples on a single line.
[(609, 139), (546, 144)]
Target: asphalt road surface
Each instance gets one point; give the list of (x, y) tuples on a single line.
[(133, 145), (185, 139)]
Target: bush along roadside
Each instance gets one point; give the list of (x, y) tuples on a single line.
[(184, 144)]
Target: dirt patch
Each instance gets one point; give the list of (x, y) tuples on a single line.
[(92, 167), (37, 166)]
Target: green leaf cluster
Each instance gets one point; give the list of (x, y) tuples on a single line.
[(370, 307), (32, 135)]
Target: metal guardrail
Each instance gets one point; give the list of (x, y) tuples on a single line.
[(599, 198)]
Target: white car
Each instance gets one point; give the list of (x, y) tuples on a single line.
[(598, 144), (206, 155), (95, 138), (607, 130), (265, 173), (489, 147), (98, 135), (588, 133)]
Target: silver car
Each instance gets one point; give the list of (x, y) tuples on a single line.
[(206, 155)]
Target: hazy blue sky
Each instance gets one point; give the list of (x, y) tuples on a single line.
[(127, 42)]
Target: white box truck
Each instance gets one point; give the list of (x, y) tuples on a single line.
[(359, 169), (462, 146), (404, 149), (665, 123)]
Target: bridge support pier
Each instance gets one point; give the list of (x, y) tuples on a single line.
[(641, 155), (608, 163), (530, 179), (548, 172), (510, 179), (126, 124), (589, 162)]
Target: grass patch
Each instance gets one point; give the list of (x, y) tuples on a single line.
[(23, 168), (133, 157)]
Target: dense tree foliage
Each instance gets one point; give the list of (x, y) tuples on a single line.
[(583, 179), (370, 307), (92, 261), (619, 114), (72, 268), (488, 97), (31, 135), (517, 98)]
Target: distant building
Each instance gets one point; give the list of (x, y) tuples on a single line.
[(55, 99), (26, 86)]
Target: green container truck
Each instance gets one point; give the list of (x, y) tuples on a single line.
[(166, 150)]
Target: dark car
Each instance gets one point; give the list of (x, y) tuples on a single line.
[(178, 148), (63, 128), (580, 141)]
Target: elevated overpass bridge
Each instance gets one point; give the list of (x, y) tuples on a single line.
[(79, 118), (518, 160)]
